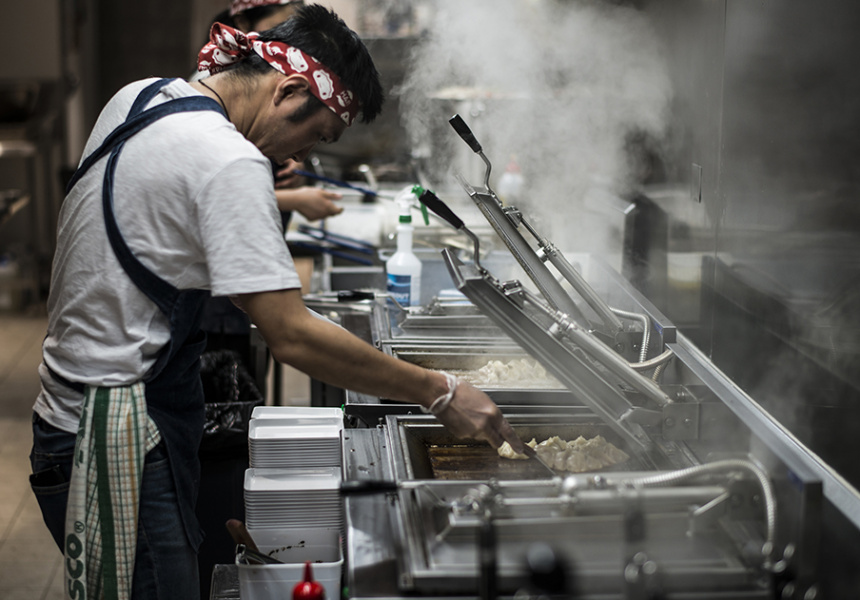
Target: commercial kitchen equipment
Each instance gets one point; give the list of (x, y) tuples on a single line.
[(717, 499)]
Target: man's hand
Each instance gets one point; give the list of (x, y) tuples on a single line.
[(474, 414), (286, 177)]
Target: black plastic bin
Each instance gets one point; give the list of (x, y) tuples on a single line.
[(231, 395)]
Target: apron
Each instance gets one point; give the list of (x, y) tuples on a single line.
[(173, 390)]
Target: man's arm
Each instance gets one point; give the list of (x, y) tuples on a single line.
[(333, 355)]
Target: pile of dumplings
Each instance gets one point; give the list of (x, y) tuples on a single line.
[(577, 456), (518, 372)]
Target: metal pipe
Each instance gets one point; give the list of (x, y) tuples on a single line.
[(658, 372), (646, 329), (476, 244), (657, 361), (723, 465)]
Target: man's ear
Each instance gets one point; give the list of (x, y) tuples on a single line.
[(290, 87), (242, 22)]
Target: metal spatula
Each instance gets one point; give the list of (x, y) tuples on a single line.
[(532, 453)]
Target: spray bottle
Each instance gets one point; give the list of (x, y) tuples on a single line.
[(404, 268)]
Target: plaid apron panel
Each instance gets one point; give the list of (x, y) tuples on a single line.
[(114, 435)]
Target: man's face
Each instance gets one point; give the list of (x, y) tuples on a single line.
[(284, 138)]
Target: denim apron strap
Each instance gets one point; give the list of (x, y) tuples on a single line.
[(138, 120), (174, 394)]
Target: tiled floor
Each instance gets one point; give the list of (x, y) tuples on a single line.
[(30, 563)]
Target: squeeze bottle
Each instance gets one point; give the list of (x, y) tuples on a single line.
[(308, 589)]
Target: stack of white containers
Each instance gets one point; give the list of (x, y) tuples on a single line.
[(295, 437), (292, 498)]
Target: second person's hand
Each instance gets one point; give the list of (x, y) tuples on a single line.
[(312, 203)]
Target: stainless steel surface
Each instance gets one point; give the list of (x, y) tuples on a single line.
[(805, 465), (567, 270), (427, 544), (460, 354), (700, 425), (466, 326), (370, 554)]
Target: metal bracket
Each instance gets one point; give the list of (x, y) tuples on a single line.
[(514, 215), (681, 421), (703, 518)]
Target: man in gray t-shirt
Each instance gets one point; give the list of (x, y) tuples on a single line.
[(174, 201)]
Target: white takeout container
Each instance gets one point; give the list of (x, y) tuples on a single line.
[(292, 546), (298, 413)]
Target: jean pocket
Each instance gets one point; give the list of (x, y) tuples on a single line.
[(50, 445), (156, 459), (47, 479), (51, 488)]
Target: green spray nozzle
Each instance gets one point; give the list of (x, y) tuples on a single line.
[(417, 190)]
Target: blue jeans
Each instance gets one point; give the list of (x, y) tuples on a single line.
[(165, 565)]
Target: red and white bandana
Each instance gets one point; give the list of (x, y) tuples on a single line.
[(238, 6), (227, 46)]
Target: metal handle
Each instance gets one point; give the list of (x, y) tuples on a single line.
[(240, 534), (367, 486), (433, 202), (352, 295), (464, 132), (430, 200), (247, 556)]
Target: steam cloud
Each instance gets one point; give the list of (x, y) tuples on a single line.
[(558, 85)]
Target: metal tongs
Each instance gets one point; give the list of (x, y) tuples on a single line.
[(249, 556), (332, 241), (247, 552)]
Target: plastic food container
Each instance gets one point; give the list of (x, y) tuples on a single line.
[(293, 547)]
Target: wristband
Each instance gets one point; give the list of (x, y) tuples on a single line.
[(442, 402)]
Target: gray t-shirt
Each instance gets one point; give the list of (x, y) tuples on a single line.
[(195, 202)]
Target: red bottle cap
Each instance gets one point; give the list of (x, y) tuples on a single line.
[(308, 589)]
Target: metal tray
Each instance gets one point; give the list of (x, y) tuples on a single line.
[(461, 358), (422, 449), (440, 536)]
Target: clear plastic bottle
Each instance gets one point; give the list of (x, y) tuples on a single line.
[(511, 183), (404, 268)]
